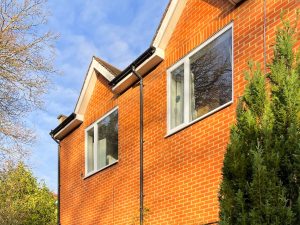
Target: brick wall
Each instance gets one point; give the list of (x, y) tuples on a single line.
[(182, 171)]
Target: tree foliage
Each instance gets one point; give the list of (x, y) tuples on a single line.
[(261, 171), (26, 61), (24, 201)]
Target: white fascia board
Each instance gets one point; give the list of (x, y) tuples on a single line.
[(102, 70), (89, 84), (169, 23), (146, 66), (69, 127)]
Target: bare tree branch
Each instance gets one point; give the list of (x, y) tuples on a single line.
[(26, 63)]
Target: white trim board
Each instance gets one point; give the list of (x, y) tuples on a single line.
[(69, 127), (89, 84), (168, 24), (145, 67)]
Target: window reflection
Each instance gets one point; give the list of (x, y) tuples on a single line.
[(107, 152), (211, 76)]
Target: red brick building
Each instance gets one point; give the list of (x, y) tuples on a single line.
[(193, 77)]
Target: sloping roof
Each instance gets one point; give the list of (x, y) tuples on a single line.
[(108, 66)]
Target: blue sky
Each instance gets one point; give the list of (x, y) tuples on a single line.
[(114, 30)]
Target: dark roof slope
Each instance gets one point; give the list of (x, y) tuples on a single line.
[(115, 71)]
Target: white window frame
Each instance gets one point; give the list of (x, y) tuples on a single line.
[(95, 127), (186, 61)]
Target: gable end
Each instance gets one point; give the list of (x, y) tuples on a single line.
[(108, 71)]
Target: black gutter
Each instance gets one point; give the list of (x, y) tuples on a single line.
[(58, 179), (63, 124), (141, 144), (142, 58)]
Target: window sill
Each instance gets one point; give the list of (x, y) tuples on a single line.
[(97, 171), (185, 125)]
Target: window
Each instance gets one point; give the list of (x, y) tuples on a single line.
[(201, 83), (104, 151)]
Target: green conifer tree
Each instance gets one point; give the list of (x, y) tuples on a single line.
[(261, 171)]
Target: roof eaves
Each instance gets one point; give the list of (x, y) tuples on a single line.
[(108, 66), (63, 124), (137, 62)]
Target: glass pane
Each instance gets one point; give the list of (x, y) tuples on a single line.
[(177, 96), (211, 76), (90, 150), (107, 152)]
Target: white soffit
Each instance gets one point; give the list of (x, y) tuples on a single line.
[(145, 67), (69, 127), (89, 84), (168, 23)]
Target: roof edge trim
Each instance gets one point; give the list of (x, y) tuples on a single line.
[(143, 69), (63, 124), (168, 23), (67, 126), (136, 63), (89, 83)]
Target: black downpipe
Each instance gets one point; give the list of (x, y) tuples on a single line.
[(58, 178), (141, 145)]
